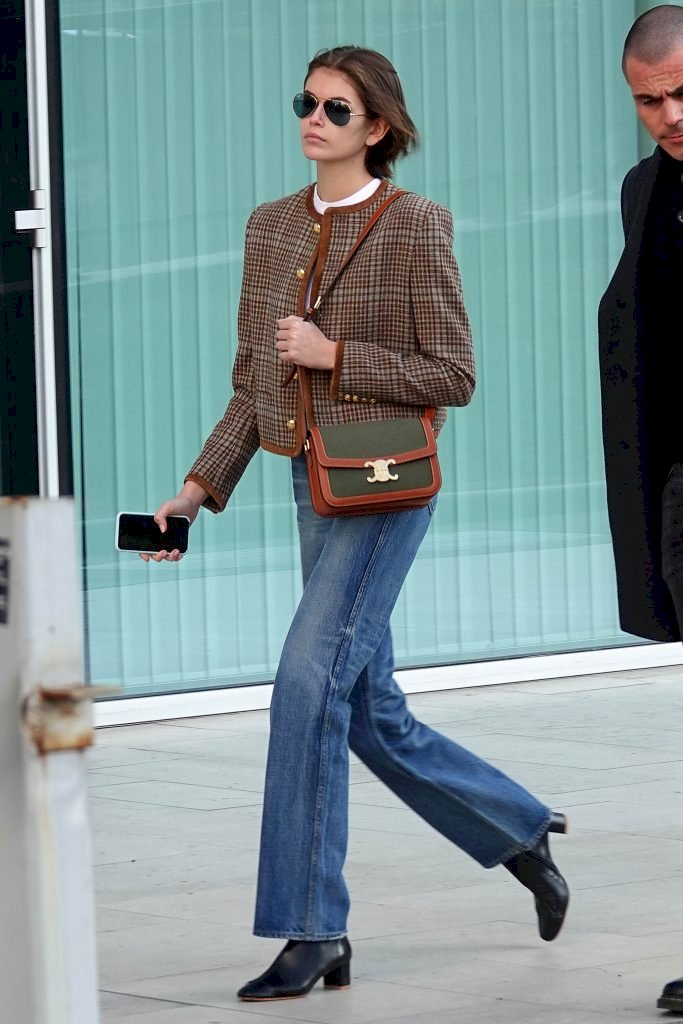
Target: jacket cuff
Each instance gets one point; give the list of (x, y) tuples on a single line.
[(213, 500), (336, 373)]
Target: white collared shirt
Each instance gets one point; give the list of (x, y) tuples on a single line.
[(358, 197)]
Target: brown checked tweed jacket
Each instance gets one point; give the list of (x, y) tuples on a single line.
[(396, 313)]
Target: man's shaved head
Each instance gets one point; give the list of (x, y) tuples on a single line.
[(654, 35)]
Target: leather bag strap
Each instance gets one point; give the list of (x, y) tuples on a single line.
[(302, 372), (312, 310)]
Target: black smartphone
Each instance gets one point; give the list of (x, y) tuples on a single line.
[(137, 531)]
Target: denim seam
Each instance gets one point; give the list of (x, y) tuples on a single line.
[(331, 694), (316, 829), (411, 774)]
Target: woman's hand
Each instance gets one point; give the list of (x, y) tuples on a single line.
[(187, 503), (300, 341)]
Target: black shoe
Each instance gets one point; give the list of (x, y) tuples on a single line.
[(672, 997), (535, 869), (299, 965)]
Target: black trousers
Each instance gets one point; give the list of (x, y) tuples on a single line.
[(672, 537)]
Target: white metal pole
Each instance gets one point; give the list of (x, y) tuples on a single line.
[(47, 927)]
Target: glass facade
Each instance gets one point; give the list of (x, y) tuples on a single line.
[(177, 122)]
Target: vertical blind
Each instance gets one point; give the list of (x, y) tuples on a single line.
[(177, 122)]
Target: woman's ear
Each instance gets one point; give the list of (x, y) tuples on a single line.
[(379, 129)]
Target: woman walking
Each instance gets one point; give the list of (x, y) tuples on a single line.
[(390, 338)]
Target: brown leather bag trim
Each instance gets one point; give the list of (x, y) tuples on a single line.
[(325, 503)]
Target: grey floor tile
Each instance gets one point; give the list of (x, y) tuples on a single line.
[(110, 919), (176, 794), (114, 847), (563, 753), (632, 908), (170, 947), (366, 1001), (98, 777), (240, 723), (224, 773), (116, 1007), (227, 828), (155, 735), (562, 779), (198, 742), (223, 905), (204, 867), (617, 734), (488, 1012), (630, 817), (208, 1015), (102, 755), (176, 810), (579, 684)]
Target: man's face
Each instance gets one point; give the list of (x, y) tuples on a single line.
[(658, 93)]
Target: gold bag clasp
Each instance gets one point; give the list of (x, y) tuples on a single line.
[(381, 470)]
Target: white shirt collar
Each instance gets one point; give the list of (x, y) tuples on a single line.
[(363, 193)]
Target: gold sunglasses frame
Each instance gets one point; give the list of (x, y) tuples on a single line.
[(318, 102)]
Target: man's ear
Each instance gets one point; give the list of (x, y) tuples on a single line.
[(379, 129)]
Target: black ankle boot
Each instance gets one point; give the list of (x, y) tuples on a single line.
[(299, 965), (672, 997), (535, 869)]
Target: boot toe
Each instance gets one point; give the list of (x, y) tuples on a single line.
[(267, 986), (256, 991), (672, 996), (552, 912), (552, 901)]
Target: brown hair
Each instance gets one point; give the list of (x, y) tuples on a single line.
[(654, 35), (378, 85)]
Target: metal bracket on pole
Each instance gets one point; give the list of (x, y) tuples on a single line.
[(34, 219), (61, 718)]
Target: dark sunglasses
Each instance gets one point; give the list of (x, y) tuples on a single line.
[(336, 111)]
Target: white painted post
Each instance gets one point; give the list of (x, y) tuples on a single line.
[(48, 969)]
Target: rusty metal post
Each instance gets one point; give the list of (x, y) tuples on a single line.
[(47, 928)]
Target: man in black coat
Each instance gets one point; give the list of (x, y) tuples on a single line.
[(641, 355)]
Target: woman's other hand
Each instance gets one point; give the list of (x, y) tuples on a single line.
[(186, 503), (300, 341)]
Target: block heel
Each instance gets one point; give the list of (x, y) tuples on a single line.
[(340, 977), (558, 823)]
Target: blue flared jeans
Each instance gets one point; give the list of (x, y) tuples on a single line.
[(334, 690)]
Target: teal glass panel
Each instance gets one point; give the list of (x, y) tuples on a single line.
[(177, 122)]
